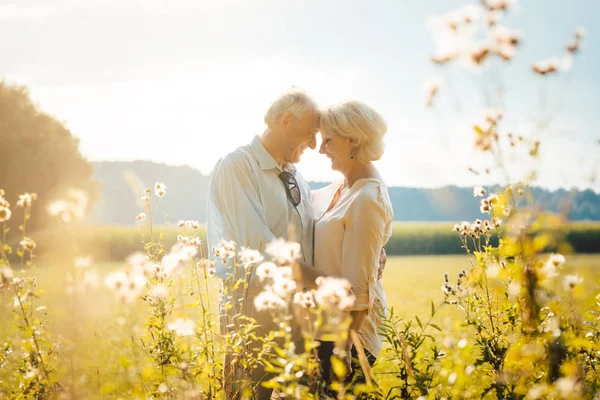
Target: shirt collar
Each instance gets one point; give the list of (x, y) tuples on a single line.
[(266, 160)]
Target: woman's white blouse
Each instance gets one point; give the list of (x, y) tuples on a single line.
[(348, 242)]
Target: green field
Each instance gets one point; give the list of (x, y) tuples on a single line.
[(96, 335)]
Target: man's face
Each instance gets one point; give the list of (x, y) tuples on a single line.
[(301, 133)]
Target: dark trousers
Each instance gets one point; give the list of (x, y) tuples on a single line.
[(357, 375)]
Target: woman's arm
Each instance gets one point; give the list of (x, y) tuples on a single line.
[(364, 237)]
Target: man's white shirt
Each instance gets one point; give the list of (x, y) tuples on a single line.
[(248, 203)]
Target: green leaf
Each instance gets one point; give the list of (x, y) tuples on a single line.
[(432, 309), (436, 327), (419, 322)]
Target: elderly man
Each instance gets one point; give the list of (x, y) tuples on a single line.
[(255, 196)]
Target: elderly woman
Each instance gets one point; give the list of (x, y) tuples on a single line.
[(354, 220)]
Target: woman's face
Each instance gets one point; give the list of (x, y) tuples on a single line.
[(337, 149)]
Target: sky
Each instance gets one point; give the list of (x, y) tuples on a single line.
[(186, 81)]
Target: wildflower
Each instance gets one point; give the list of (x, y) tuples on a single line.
[(514, 290), (283, 252), (496, 221), (445, 276), (283, 287), (557, 260), (335, 292), (82, 262), (194, 225), (4, 214), (181, 223), (520, 191), (570, 281), (452, 378), (182, 327), (141, 217), (6, 273), (267, 300), (469, 370), (160, 189), (478, 191), (485, 206), (304, 299), (249, 257), (211, 271), (456, 228), (567, 386), (91, 279), (126, 285), (462, 343), (159, 291), (493, 199), (447, 288), (493, 270), (432, 87), (266, 270), (25, 200), (27, 244)]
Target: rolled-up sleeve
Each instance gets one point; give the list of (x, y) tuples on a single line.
[(364, 237), (235, 211)]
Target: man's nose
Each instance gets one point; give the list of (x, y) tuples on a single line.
[(313, 143), (322, 148)]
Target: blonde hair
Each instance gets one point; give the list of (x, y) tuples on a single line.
[(294, 101), (360, 123)]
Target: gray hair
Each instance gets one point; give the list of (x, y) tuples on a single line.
[(294, 101), (360, 123)]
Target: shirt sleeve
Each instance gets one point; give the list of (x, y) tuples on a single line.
[(235, 211), (366, 226)]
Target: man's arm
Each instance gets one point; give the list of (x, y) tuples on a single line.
[(235, 210)]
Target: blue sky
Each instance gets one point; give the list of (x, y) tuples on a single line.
[(186, 81)]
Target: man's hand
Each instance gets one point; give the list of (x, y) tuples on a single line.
[(382, 261)]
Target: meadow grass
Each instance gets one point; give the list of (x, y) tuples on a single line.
[(98, 337)]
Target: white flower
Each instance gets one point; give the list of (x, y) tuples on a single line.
[(83, 262), (26, 199), (249, 257), (514, 290), (452, 378), (336, 292), (266, 270), (141, 217), (127, 286), (283, 273), (6, 273), (4, 214), (224, 250), (535, 392), (182, 327), (557, 260), (27, 244), (571, 281), (160, 189), (493, 270), (478, 191), (91, 279), (283, 287), (267, 300), (283, 252), (567, 386), (469, 370), (159, 291), (181, 223), (305, 299), (462, 343)]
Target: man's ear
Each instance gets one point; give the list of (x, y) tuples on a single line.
[(286, 118)]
